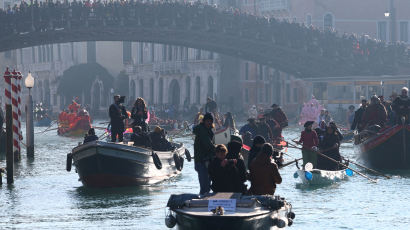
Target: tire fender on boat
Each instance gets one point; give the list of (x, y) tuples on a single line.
[(157, 161), (69, 162), (178, 161), (188, 155)]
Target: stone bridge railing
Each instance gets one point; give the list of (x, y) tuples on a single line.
[(289, 47)]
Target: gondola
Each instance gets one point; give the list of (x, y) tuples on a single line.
[(108, 164), (386, 149), (222, 211), (320, 177)]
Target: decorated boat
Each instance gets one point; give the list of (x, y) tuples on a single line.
[(222, 211), (108, 164), (388, 148), (310, 111), (311, 176), (73, 124)]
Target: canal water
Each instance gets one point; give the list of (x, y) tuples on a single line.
[(46, 196)]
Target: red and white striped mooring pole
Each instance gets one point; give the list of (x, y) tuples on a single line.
[(14, 102)]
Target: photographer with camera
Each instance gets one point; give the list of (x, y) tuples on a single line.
[(117, 115)]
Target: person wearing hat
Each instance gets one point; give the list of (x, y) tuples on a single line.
[(375, 113), (210, 106), (229, 121), (401, 106), (250, 127), (264, 130), (357, 121), (236, 169), (204, 151), (274, 127), (309, 141), (255, 149), (117, 114), (279, 116)]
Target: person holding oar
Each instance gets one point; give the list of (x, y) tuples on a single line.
[(309, 141), (329, 147)]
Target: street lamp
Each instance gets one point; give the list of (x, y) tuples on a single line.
[(29, 83), (387, 14)]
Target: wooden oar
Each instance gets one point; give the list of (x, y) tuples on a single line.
[(339, 163), (291, 162), (51, 124), (46, 131), (369, 169)]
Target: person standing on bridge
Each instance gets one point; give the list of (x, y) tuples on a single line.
[(117, 115)]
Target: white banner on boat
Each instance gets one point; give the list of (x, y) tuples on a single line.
[(228, 204)]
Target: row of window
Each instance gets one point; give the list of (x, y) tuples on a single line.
[(42, 54), (263, 94), (403, 31), (160, 99), (168, 53)]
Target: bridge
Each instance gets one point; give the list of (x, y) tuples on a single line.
[(289, 47)]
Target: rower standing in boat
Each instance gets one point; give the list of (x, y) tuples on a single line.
[(250, 127), (229, 121), (204, 151), (357, 121), (140, 113), (375, 113), (279, 116), (309, 141), (264, 174), (401, 106), (329, 147), (117, 115)]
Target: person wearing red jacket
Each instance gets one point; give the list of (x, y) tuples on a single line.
[(375, 113), (309, 141)]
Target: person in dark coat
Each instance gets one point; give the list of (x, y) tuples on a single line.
[(264, 174), (140, 138), (117, 114), (204, 151), (401, 106), (274, 127), (329, 147), (210, 106), (159, 141), (321, 131), (139, 114), (357, 121), (258, 142), (247, 139), (279, 116), (236, 169), (264, 130), (339, 134), (250, 127), (375, 114), (229, 121), (90, 136), (217, 170)]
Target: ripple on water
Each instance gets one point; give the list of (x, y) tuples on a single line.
[(45, 196)]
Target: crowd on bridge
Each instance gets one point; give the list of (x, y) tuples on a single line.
[(361, 54)]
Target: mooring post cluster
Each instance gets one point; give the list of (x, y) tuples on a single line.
[(13, 124)]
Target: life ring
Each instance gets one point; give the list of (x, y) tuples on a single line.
[(69, 162), (188, 155), (157, 161), (178, 162)]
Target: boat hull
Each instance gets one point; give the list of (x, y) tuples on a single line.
[(188, 222), (102, 164), (80, 128), (388, 150), (322, 177)]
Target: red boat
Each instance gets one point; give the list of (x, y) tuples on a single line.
[(387, 149), (73, 124)]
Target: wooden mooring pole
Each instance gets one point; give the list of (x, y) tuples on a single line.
[(9, 145)]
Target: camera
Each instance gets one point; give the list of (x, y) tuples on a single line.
[(122, 99)]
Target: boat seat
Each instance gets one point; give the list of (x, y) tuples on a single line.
[(204, 203)]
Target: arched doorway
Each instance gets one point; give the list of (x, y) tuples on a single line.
[(160, 91), (210, 87), (174, 93), (47, 94), (198, 90), (132, 90), (96, 95)]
